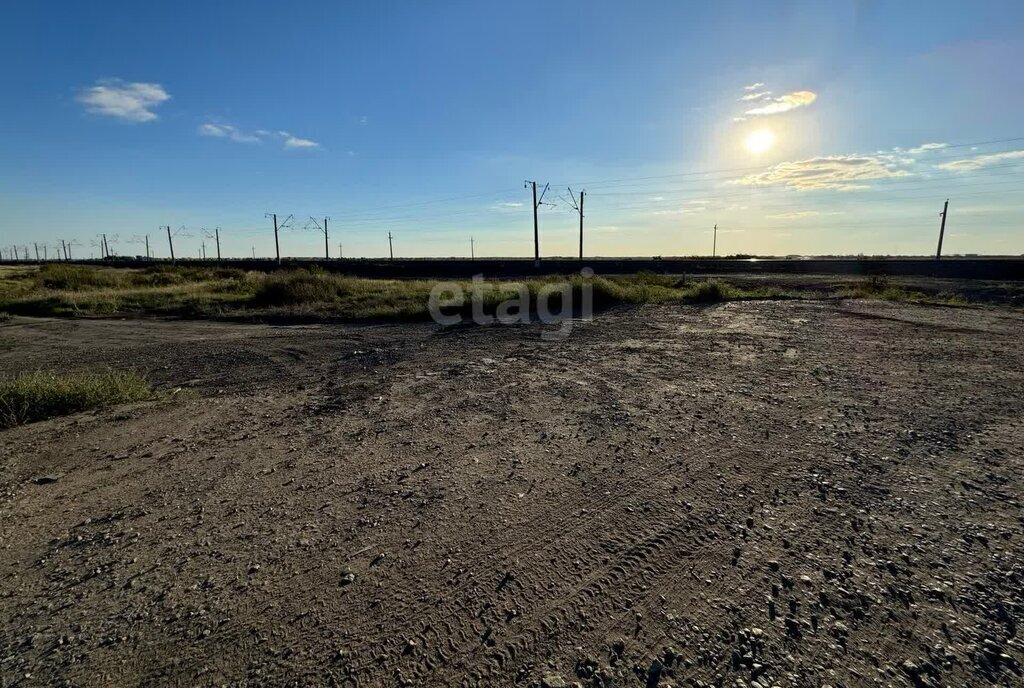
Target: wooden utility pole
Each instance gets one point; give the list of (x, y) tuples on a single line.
[(391, 246), (472, 249), (714, 243), (942, 229), (106, 251), (327, 245), (254, 253), (216, 235), (202, 249), (37, 250), (170, 242), (64, 249), (147, 246), (341, 253)]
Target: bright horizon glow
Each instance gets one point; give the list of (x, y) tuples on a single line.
[(759, 141)]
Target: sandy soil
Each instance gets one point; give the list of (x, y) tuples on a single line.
[(758, 494)]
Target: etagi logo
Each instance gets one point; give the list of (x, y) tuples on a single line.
[(558, 302)]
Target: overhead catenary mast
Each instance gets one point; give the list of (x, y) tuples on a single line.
[(537, 203), (578, 207), (942, 229)]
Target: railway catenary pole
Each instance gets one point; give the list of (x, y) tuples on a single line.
[(170, 243), (942, 229)]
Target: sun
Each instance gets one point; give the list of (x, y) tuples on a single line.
[(759, 141)]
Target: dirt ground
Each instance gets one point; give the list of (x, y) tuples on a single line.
[(748, 494)]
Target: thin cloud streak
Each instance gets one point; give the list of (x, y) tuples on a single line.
[(980, 161), (835, 172), (785, 103)]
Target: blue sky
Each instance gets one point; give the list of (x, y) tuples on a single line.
[(797, 127)]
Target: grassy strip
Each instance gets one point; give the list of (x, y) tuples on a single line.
[(59, 289), (33, 396)]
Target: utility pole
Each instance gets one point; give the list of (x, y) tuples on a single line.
[(341, 253), (37, 250), (216, 235), (254, 253), (313, 221), (582, 194), (472, 249), (277, 228), (170, 242), (202, 249), (147, 246), (714, 243), (579, 209), (536, 232), (942, 229), (277, 243), (104, 249), (391, 246), (45, 259), (64, 248)]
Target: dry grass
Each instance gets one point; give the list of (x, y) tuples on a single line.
[(33, 396), (60, 289)]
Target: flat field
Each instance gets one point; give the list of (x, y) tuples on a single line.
[(778, 492)]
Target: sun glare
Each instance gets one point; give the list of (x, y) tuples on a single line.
[(759, 141)]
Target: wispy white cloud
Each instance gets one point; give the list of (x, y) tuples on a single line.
[(508, 205), (757, 95), (784, 103), (837, 172), (227, 131), (692, 207), (802, 214), (926, 147), (132, 102), (291, 141), (980, 161), (753, 86)]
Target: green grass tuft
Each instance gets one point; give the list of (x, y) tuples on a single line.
[(33, 396), (710, 291)]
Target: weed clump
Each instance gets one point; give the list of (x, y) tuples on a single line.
[(33, 396), (710, 291), (299, 288), (78, 277)]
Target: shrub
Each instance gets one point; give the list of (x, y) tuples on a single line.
[(710, 291), (77, 277), (38, 395), (298, 287)]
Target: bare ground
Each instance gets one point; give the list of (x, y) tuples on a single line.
[(778, 493)]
